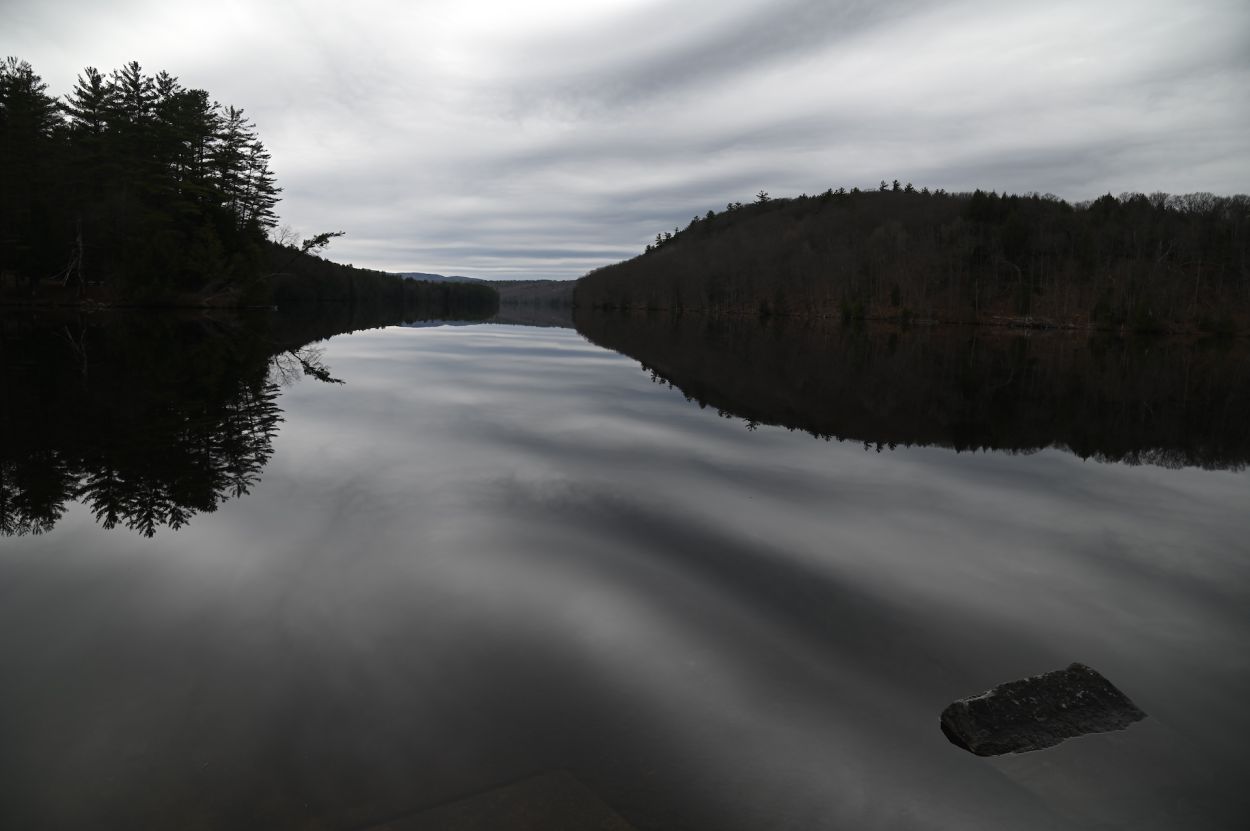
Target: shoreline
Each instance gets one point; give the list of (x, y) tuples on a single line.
[(1000, 322)]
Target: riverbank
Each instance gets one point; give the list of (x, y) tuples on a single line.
[(1230, 327)]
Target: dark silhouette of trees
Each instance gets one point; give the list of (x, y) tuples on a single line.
[(131, 182), (297, 276), (1135, 262), (136, 189), (29, 161)]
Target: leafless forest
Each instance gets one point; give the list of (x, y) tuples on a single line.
[(1136, 262)]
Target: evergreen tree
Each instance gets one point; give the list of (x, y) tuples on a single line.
[(31, 240), (134, 97), (88, 105), (133, 180)]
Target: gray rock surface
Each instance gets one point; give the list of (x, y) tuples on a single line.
[(1037, 712)]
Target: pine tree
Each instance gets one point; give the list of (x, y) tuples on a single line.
[(29, 154), (260, 190), (134, 96), (89, 104)]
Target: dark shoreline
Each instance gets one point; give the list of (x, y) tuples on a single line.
[(904, 322)]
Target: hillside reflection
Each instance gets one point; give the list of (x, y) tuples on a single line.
[(147, 419), (1156, 401)]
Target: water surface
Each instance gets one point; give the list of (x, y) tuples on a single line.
[(495, 551)]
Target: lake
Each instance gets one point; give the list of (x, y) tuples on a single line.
[(250, 580)]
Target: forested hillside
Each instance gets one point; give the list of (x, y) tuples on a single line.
[(135, 189), (297, 276), (537, 293), (1147, 263), (131, 181)]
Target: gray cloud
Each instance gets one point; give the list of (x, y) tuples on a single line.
[(546, 140), (721, 50)]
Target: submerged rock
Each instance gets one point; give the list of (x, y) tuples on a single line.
[(1037, 712)]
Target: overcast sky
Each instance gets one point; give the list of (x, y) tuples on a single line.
[(543, 138)]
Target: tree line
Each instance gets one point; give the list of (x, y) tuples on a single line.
[(1155, 262), (135, 188), (298, 276), (131, 181)]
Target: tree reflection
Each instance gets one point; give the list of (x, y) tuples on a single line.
[(190, 460), (1160, 401), (292, 364), (147, 421)]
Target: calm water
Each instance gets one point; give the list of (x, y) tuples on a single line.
[(494, 551)]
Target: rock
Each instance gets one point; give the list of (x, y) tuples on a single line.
[(1037, 712)]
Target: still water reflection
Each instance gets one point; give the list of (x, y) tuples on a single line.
[(1155, 400), (495, 551)]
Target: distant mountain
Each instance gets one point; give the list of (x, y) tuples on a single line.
[(553, 293), (438, 278)]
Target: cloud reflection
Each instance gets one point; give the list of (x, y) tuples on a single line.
[(448, 579)]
